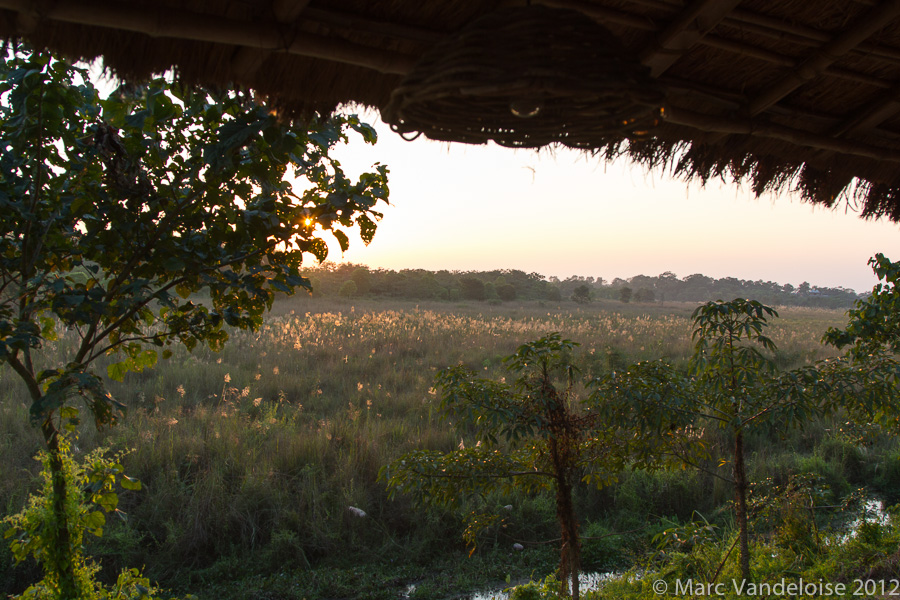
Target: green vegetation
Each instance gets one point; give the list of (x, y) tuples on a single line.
[(508, 285), (529, 436), (247, 482), (36, 533), (733, 385), (114, 213)]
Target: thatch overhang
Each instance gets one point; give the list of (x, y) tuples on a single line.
[(803, 94)]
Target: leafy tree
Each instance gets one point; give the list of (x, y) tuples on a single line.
[(874, 324), (114, 212), (348, 289), (529, 434), (733, 387), (506, 291), (731, 372), (472, 288), (363, 280), (582, 294), (872, 339), (644, 295), (625, 294)]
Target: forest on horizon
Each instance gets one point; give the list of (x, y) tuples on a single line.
[(503, 285)]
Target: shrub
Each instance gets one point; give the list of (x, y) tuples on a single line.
[(363, 280), (553, 294), (644, 295), (582, 294), (472, 288), (35, 532), (506, 291)]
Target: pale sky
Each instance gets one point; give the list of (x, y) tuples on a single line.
[(465, 207)]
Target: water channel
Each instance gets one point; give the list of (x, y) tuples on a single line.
[(873, 512)]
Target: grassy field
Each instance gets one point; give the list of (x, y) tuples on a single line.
[(250, 458)]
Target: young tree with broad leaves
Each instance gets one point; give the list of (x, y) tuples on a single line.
[(529, 434), (115, 212), (733, 387)]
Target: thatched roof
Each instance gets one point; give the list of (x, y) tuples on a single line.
[(796, 93)]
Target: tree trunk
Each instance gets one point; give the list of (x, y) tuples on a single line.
[(740, 504), (570, 548), (61, 555)]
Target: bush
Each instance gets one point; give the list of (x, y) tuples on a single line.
[(348, 289), (472, 288), (644, 295), (553, 294), (363, 280), (601, 550), (582, 294), (506, 292), (37, 533)]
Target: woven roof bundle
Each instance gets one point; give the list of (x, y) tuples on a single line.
[(527, 77)]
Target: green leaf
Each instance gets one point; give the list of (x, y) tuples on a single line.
[(342, 239), (145, 360), (130, 483), (94, 522), (117, 371), (183, 290)]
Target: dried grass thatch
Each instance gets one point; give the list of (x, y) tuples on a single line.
[(785, 94)]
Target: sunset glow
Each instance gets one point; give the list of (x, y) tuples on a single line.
[(562, 213)]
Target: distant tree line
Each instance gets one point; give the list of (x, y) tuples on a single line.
[(495, 286)]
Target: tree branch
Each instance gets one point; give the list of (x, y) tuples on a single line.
[(699, 468)]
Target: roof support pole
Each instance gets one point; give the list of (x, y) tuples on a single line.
[(876, 19), (685, 31), (182, 24), (247, 61), (871, 116)]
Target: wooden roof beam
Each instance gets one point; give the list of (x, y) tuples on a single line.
[(182, 24), (799, 34), (604, 15), (873, 115), (788, 62), (247, 61), (354, 23), (739, 18), (685, 93), (685, 31), (875, 20)]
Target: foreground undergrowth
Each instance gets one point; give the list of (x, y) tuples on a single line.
[(258, 461)]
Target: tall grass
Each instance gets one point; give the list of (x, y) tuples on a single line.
[(251, 458)]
